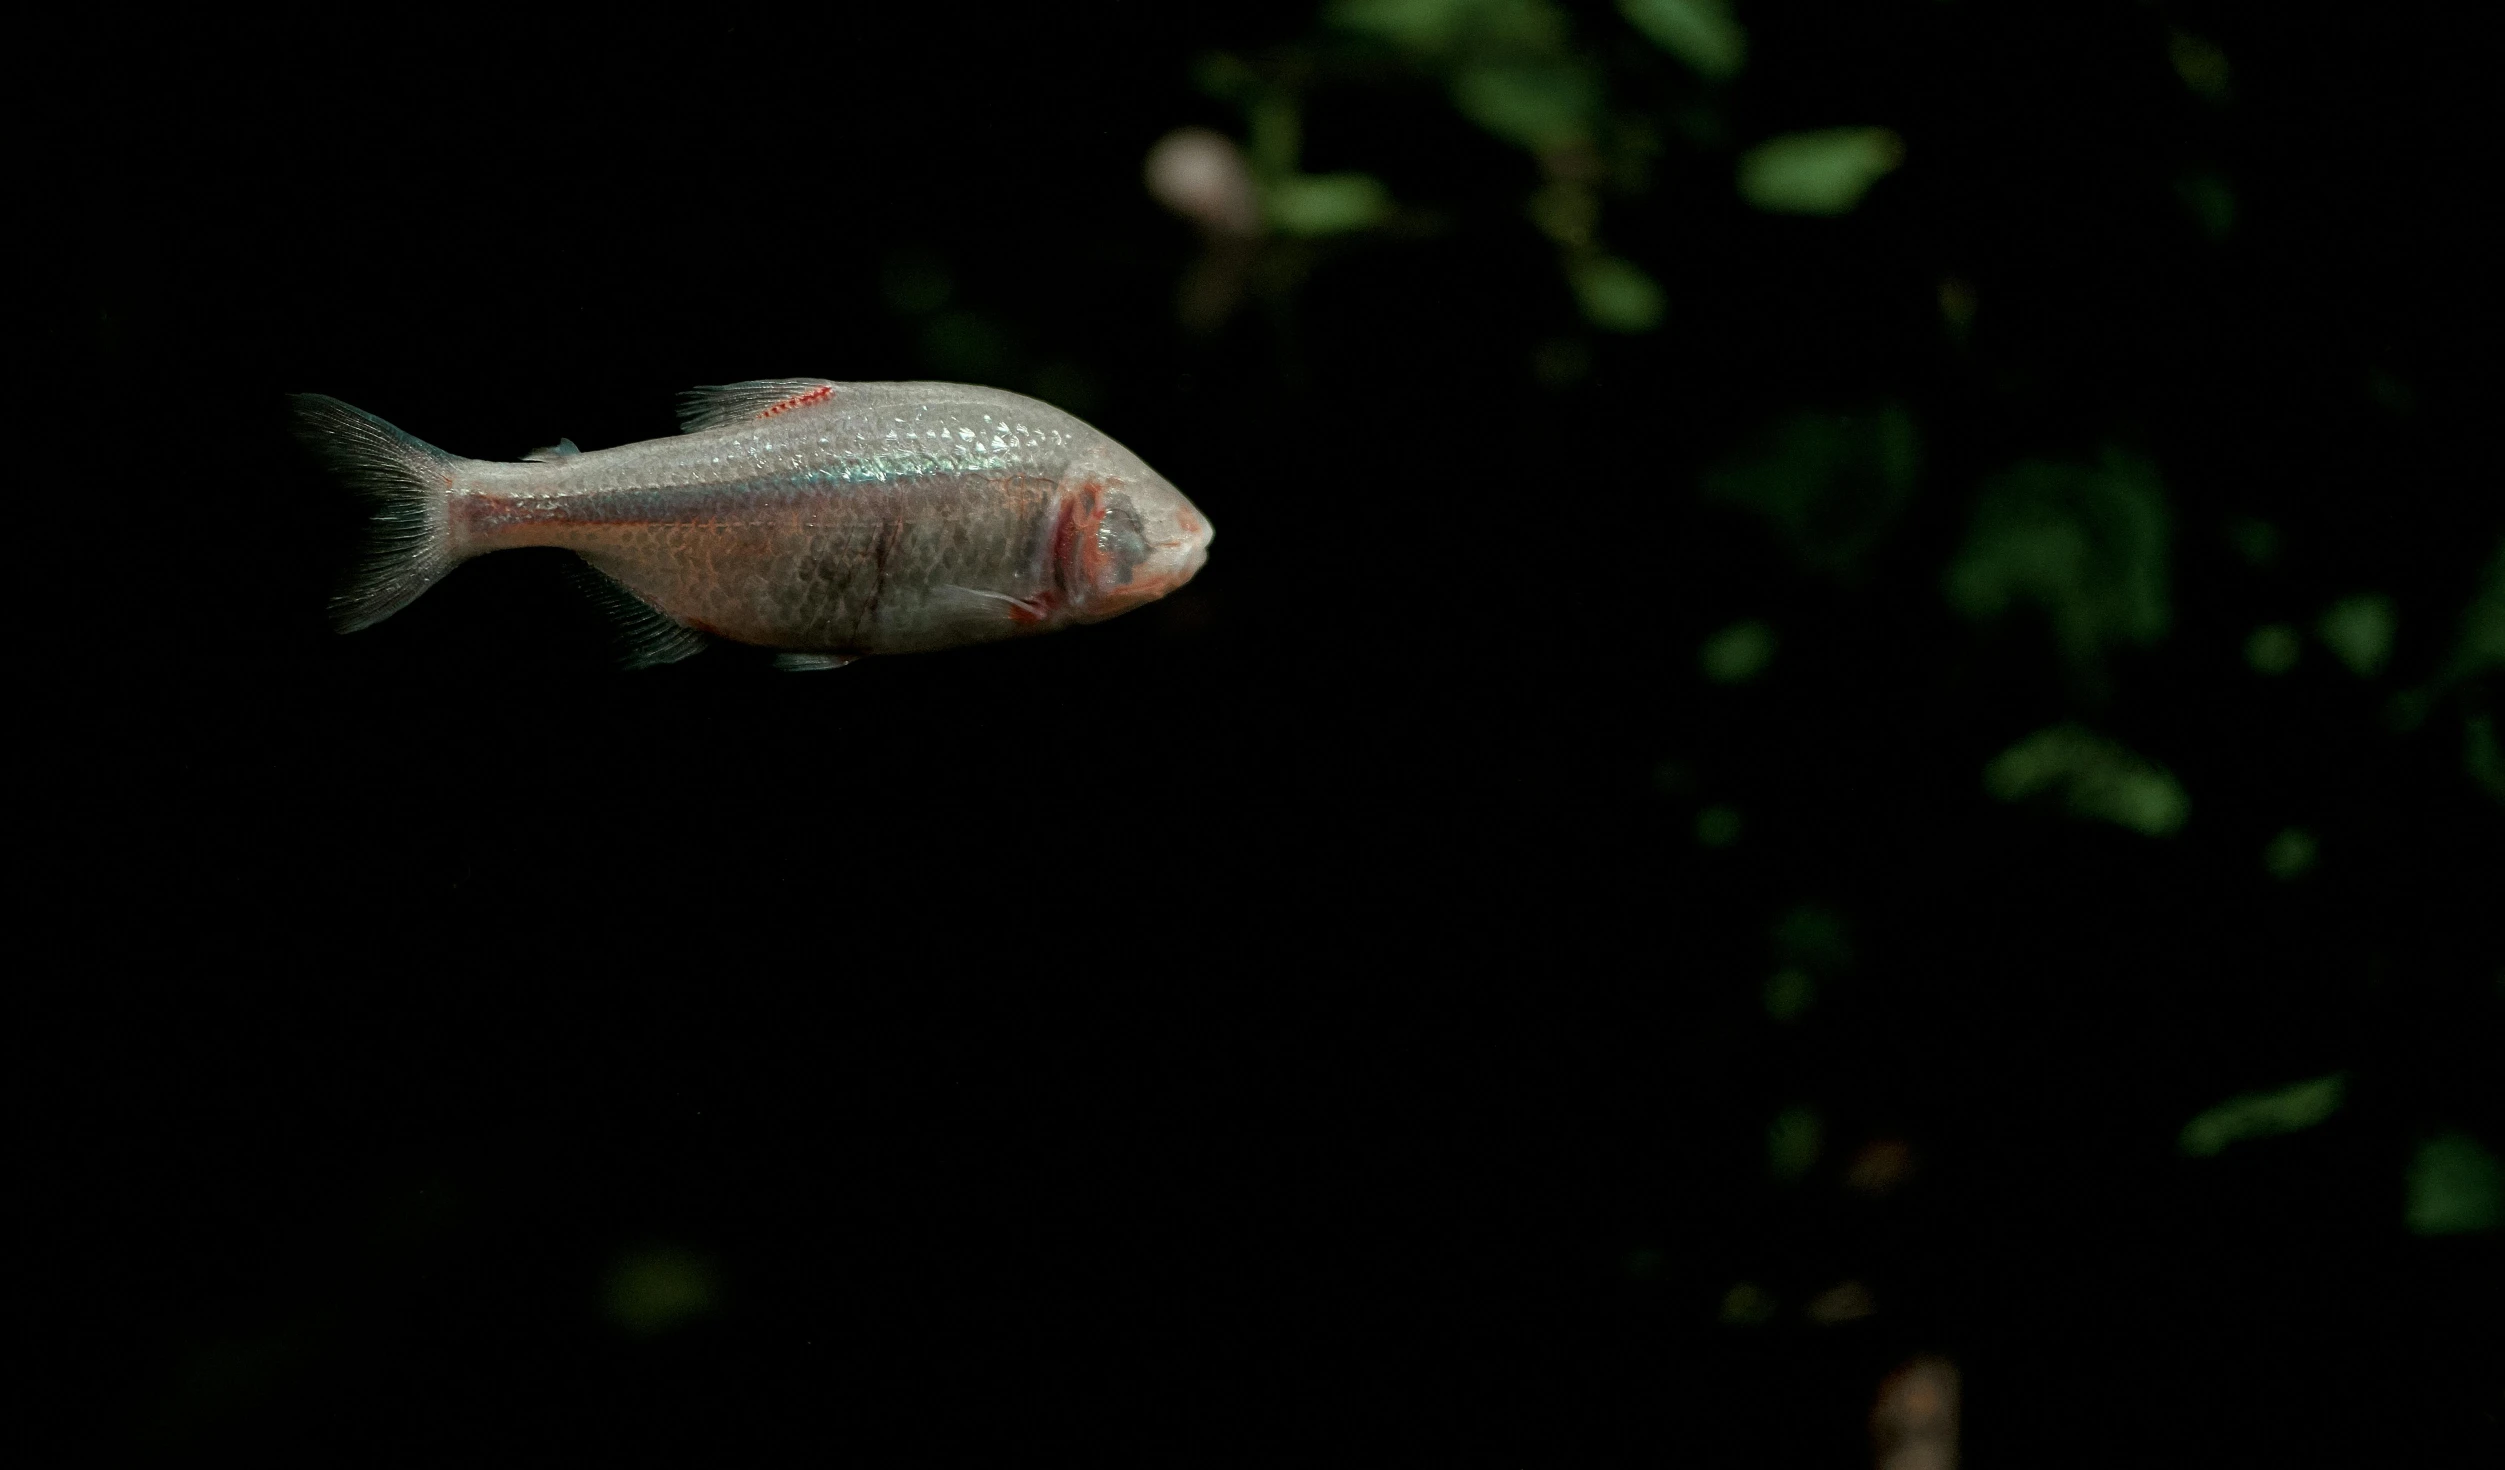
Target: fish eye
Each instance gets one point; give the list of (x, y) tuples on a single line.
[(1121, 539)]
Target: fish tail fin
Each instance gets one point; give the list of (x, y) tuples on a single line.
[(406, 481)]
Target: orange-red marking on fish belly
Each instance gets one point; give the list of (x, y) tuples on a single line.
[(818, 394)]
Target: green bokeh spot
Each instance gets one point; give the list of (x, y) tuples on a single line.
[(1747, 1304), (1790, 993), (2482, 644), (1221, 75), (2200, 63), (2290, 854), (1616, 295), (1818, 173), (2263, 1115), (2482, 756), (2256, 540), (1717, 826), (2358, 630), (1813, 936), (1792, 1143), (2211, 202), (2096, 778), (1698, 32), (1738, 653), (1325, 204), (2273, 648), (2455, 1187), (651, 1291)]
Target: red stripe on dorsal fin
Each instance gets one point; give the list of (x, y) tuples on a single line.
[(731, 403)]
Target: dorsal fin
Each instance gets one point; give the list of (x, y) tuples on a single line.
[(558, 450), (731, 403)]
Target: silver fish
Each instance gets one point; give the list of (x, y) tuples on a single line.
[(829, 520)]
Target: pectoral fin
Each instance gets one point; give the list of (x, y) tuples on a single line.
[(976, 602)]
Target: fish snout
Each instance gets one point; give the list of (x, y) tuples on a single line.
[(1146, 541), (1176, 556)]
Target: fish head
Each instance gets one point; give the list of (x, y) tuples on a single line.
[(1126, 539)]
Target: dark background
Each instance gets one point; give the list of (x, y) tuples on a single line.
[(1299, 1021)]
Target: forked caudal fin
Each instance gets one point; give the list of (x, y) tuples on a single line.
[(408, 543)]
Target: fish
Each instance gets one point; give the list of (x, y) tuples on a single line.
[(826, 521)]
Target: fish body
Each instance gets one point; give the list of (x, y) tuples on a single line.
[(829, 520)]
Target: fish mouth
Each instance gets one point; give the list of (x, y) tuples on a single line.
[(1179, 560), (1170, 564)]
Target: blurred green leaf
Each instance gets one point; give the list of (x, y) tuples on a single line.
[(1793, 1140), (1325, 204), (1698, 32), (2290, 854), (2263, 1115), (1829, 484), (2211, 202), (2256, 540), (1539, 105), (1811, 935), (2273, 648), (1789, 994), (2455, 1187), (1274, 135), (2088, 546), (651, 1291), (1615, 295), (1222, 75), (1566, 210), (1747, 1304), (2200, 63), (2096, 777), (2359, 631), (1493, 28), (1823, 172), (2482, 642), (1418, 25), (1738, 653), (2482, 757)]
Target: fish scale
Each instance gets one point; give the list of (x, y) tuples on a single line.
[(827, 519)]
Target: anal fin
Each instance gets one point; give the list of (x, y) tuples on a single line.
[(810, 663), (646, 634)]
